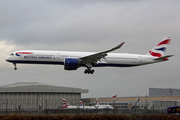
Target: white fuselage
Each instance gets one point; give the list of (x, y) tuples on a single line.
[(90, 107), (58, 57)]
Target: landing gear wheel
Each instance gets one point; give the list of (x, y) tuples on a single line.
[(86, 71), (15, 68), (89, 71), (92, 71)]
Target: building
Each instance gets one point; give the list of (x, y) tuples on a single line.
[(142, 102), (164, 92), (34, 96), (161, 105)]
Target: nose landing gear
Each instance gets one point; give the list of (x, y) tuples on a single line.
[(15, 68)]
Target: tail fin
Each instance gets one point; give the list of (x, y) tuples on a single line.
[(159, 50), (81, 103), (113, 96), (65, 104), (97, 103)]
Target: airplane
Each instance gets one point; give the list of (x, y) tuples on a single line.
[(97, 106), (73, 60), (67, 106)]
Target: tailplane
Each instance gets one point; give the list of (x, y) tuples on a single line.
[(159, 50)]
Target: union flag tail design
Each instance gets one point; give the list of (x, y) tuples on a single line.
[(81, 103), (97, 102), (159, 50), (65, 104)]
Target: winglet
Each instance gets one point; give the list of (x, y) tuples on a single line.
[(120, 45), (117, 47)]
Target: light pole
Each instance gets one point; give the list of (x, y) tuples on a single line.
[(6, 106), (146, 105)]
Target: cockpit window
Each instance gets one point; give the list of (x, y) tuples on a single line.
[(12, 54)]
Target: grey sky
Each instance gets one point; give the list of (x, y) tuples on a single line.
[(91, 26)]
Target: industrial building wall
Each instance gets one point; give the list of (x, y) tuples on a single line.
[(35, 100), (164, 92), (160, 105)]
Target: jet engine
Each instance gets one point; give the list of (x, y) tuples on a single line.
[(71, 64)]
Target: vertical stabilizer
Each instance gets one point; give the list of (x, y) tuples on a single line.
[(97, 103), (65, 104), (113, 96), (159, 50), (81, 103)]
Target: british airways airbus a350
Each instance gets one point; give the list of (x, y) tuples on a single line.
[(73, 60)]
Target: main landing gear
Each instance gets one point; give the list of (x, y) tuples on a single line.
[(89, 71), (15, 68)]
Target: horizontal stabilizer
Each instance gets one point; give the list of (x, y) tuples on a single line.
[(164, 57)]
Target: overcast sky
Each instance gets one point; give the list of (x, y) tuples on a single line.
[(78, 25)]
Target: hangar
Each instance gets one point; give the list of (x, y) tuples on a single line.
[(34, 96)]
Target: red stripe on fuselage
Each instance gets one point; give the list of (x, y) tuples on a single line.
[(164, 42), (24, 53)]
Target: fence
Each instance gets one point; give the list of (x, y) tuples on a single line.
[(143, 107), (80, 111)]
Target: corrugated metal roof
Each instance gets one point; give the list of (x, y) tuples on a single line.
[(27, 84), (39, 87)]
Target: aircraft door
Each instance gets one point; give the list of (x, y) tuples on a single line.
[(58, 56), (140, 59)]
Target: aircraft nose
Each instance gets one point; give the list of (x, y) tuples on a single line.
[(8, 58)]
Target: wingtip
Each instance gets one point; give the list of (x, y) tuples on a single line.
[(121, 44)]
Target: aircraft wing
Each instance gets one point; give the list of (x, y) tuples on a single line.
[(93, 58)]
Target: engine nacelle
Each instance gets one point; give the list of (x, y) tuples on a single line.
[(71, 64)]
